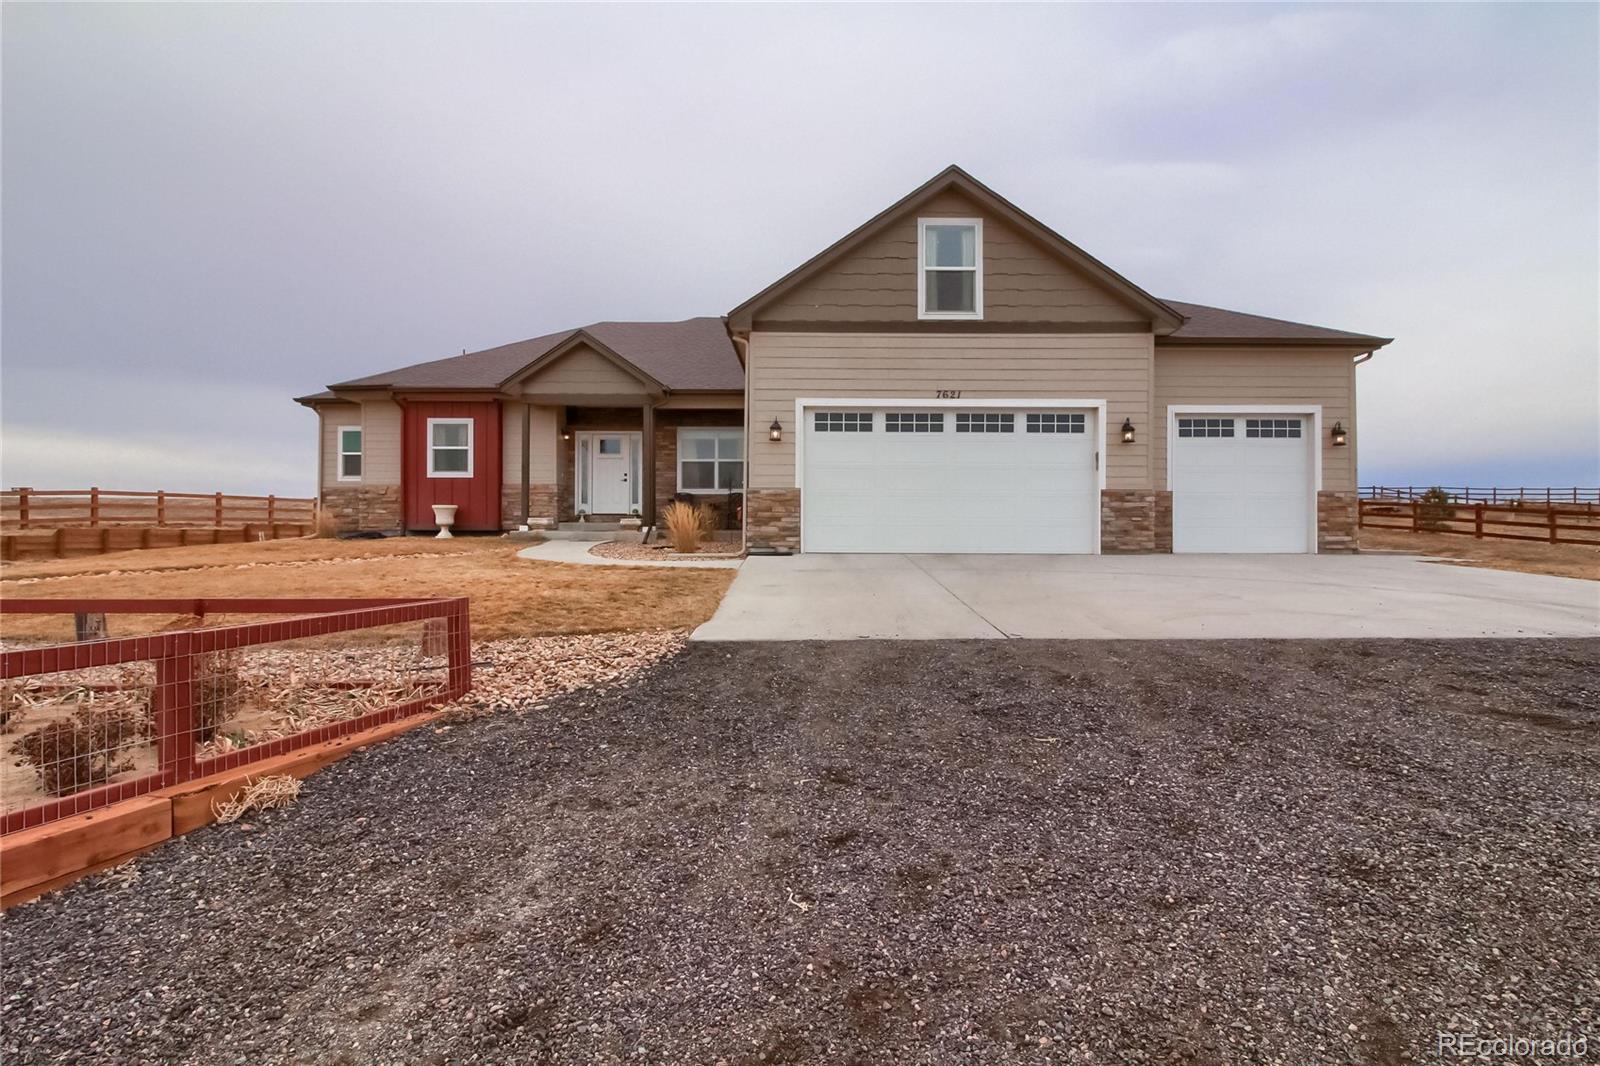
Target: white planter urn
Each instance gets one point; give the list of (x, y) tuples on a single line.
[(444, 516)]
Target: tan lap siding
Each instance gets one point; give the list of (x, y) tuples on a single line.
[(544, 424), (1255, 375), (1023, 281), (787, 366), (585, 372), (379, 421)]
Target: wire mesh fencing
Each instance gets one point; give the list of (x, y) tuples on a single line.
[(96, 721)]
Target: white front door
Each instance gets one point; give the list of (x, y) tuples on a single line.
[(607, 467), (950, 480), (1242, 483)]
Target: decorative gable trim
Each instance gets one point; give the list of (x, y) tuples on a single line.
[(582, 339)]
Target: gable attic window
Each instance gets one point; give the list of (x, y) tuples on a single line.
[(950, 251)]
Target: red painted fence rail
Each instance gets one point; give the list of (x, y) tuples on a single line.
[(177, 657)]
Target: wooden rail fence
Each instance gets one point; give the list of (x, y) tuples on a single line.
[(49, 523), (1511, 520), (28, 508), (1576, 495)]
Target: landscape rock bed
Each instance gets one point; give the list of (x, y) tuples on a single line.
[(938, 852), (612, 549)]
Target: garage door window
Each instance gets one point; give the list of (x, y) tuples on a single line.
[(985, 423), (913, 422), (844, 422), (1205, 427), (1277, 428), (1054, 423)]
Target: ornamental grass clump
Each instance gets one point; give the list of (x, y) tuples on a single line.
[(685, 524)]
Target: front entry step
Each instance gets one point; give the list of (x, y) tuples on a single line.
[(589, 527), (630, 536)]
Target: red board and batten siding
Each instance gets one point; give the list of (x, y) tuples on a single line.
[(478, 496)]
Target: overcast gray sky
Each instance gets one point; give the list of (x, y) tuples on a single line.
[(208, 209)]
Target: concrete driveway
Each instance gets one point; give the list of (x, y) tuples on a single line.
[(933, 597)]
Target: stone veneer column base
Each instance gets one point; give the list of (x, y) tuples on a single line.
[(541, 504), (772, 518), (365, 508), (1128, 522), (1164, 522), (1336, 521)]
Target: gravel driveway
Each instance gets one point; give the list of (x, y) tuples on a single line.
[(1194, 852)]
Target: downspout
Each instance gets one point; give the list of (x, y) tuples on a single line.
[(322, 456), (527, 445), (742, 345)]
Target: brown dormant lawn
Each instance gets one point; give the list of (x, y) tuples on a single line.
[(1526, 556), (511, 597)]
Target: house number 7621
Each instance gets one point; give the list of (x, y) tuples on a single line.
[(947, 394)]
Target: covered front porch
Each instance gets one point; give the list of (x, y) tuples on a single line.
[(591, 438)]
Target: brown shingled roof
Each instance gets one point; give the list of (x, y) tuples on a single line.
[(696, 354), (1202, 323), (692, 355)]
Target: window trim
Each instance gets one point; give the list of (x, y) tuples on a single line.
[(738, 433), (471, 435), (922, 269), (340, 453)]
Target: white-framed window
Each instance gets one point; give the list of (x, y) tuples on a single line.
[(349, 453), (710, 460), (449, 447), (949, 268)]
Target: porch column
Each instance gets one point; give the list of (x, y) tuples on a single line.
[(647, 491), (527, 447)]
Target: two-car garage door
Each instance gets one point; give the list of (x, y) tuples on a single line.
[(992, 480)]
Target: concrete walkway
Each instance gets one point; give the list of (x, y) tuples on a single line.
[(932, 597), (577, 552)]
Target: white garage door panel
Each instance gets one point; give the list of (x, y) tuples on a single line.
[(947, 491), (1240, 493)]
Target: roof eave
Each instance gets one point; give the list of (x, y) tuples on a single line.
[(1372, 343)]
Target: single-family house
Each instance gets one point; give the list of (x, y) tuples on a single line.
[(951, 376)]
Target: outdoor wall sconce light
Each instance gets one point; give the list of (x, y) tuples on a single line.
[(1127, 431), (1340, 438), (775, 431), (566, 434)]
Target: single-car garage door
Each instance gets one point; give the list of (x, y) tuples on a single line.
[(908, 480), (1241, 483)]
